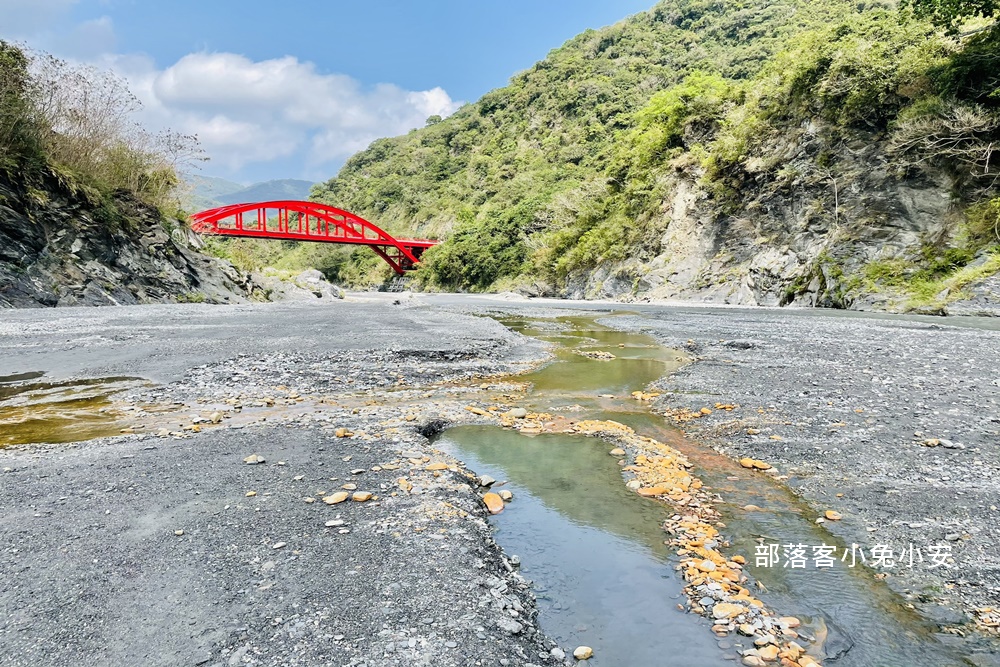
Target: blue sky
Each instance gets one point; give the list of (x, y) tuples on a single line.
[(291, 89)]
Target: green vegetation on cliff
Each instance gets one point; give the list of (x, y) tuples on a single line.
[(85, 194), (74, 124), (572, 165)]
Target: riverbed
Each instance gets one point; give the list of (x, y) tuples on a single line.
[(413, 365)]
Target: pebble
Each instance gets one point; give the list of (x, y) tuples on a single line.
[(494, 503), (361, 496), (833, 515), (178, 533), (486, 480), (332, 523), (506, 495), (558, 654), (583, 653), (518, 413), (338, 497), (279, 545), (727, 610), (617, 451), (769, 653), (254, 459)]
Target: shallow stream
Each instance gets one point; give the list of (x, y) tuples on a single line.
[(33, 410), (596, 551)]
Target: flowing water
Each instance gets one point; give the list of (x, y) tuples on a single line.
[(596, 550)]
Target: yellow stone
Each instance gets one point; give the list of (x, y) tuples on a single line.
[(760, 465), (653, 491), (727, 610), (361, 496), (833, 515), (494, 503), (338, 497), (437, 466), (343, 433), (404, 484), (789, 622), (474, 410), (746, 462), (768, 653)]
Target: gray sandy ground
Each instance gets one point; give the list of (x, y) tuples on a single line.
[(94, 572)]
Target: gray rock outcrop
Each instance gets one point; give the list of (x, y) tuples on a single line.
[(59, 248)]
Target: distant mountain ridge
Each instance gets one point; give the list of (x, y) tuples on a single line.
[(209, 192), (285, 188)]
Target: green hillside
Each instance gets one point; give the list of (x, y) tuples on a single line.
[(497, 166), (572, 165)]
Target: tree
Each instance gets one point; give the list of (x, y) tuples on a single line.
[(951, 13), (19, 136)]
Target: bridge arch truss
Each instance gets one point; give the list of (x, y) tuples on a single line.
[(309, 221)]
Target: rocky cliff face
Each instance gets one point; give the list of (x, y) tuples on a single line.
[(57, 248), (802, 234)]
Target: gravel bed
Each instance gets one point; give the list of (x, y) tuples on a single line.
[(168, 548)]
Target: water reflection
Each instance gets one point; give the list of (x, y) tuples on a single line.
[(594, 549)]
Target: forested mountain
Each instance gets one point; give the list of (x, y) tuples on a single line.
[(756, 152)]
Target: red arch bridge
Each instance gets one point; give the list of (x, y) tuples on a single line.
[(309, 221)]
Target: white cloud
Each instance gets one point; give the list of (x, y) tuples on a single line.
[(248, 112), (245, 112)]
